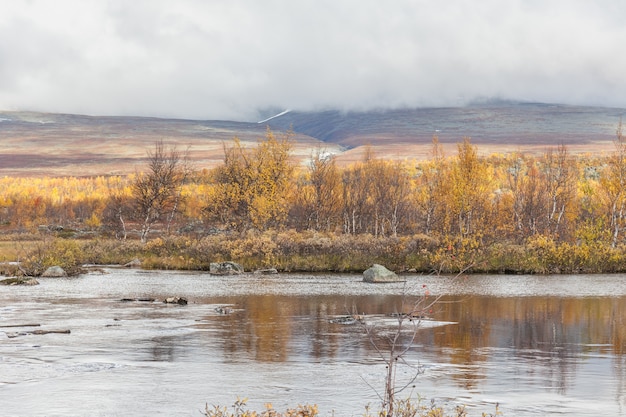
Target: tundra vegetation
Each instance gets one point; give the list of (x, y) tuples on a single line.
[(405, 408), (500, 213), (507, 213)]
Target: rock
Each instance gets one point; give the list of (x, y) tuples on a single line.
[(266, 271), (54, 272), (223, 310), (348, 320), (40, 332), (20, 325), (19, 281), (378, 274), (225, 268), (144, 300), (37, 332), (176, 300), (135, 263)]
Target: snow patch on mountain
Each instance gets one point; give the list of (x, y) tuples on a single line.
[(275, 116)]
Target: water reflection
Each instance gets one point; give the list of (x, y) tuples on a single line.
[(549, 335), (529, 352), (281, 328), (547, 324), (163, 349)]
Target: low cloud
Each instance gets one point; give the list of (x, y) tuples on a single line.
[(217, 60)]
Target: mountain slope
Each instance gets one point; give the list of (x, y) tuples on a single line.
[(65, 144), (62, 144), (527, 123)]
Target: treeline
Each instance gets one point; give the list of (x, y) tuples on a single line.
[(459, 204)]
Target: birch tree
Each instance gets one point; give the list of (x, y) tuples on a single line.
[(157, 192), (613, 187)]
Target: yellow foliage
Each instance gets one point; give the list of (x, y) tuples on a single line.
[(253, 185), (93, 221), (499, 198)]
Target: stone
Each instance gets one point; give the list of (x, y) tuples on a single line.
[(225, 268), (266, 271), (19, 281), (379, 274), (54, 272), (348, 320), (176, 300), (135, 263), (223, 310)]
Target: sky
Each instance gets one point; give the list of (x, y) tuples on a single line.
[(239, 59)]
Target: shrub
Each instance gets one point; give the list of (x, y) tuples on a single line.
[(57, 252), (111, 252), (240, 410), (403, 408)]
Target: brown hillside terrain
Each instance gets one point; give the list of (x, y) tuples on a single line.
[(34, 144), (37, 144)]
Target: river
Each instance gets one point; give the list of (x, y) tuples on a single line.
[(535, 345)]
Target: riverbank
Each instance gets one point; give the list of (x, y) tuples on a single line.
[(317, 252)]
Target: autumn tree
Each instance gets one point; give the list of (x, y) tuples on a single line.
[(613, 188), (544, 192), (251, 188), (432, 188), (528, 197), (157, 193), (561, 177), (375, 196), (469, 199), (356, 186), (119, 207), (390, 191), (319, 202)]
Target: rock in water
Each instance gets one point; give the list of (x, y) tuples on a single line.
[(54, 272), (266, 271), (378, 273), (225, 268), (135, 263), (19, 281), (176, 300)]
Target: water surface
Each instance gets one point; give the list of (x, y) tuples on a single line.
[(537, 345)]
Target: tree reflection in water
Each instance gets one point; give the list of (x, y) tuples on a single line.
[(547, 334)]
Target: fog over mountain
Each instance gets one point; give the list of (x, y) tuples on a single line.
[(231, 60)]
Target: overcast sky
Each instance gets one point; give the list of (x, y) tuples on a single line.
[(211, 59)]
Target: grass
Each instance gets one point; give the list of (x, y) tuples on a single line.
[(404, 408), (317, 252), (11, 251)]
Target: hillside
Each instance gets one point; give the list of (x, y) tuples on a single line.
[(499, 127), (65, 144), (62, 144)]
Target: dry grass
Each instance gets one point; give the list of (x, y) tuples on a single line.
[(11, 251)]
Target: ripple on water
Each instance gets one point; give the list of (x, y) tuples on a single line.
[(544, 356)]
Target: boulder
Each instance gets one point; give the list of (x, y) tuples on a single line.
[(225, 268), (19, 281), (135, 263), (223, 310), (54, 272), (378, 274), (266, 271), (176, 300)]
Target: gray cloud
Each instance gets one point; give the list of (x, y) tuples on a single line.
[(227, 59)]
